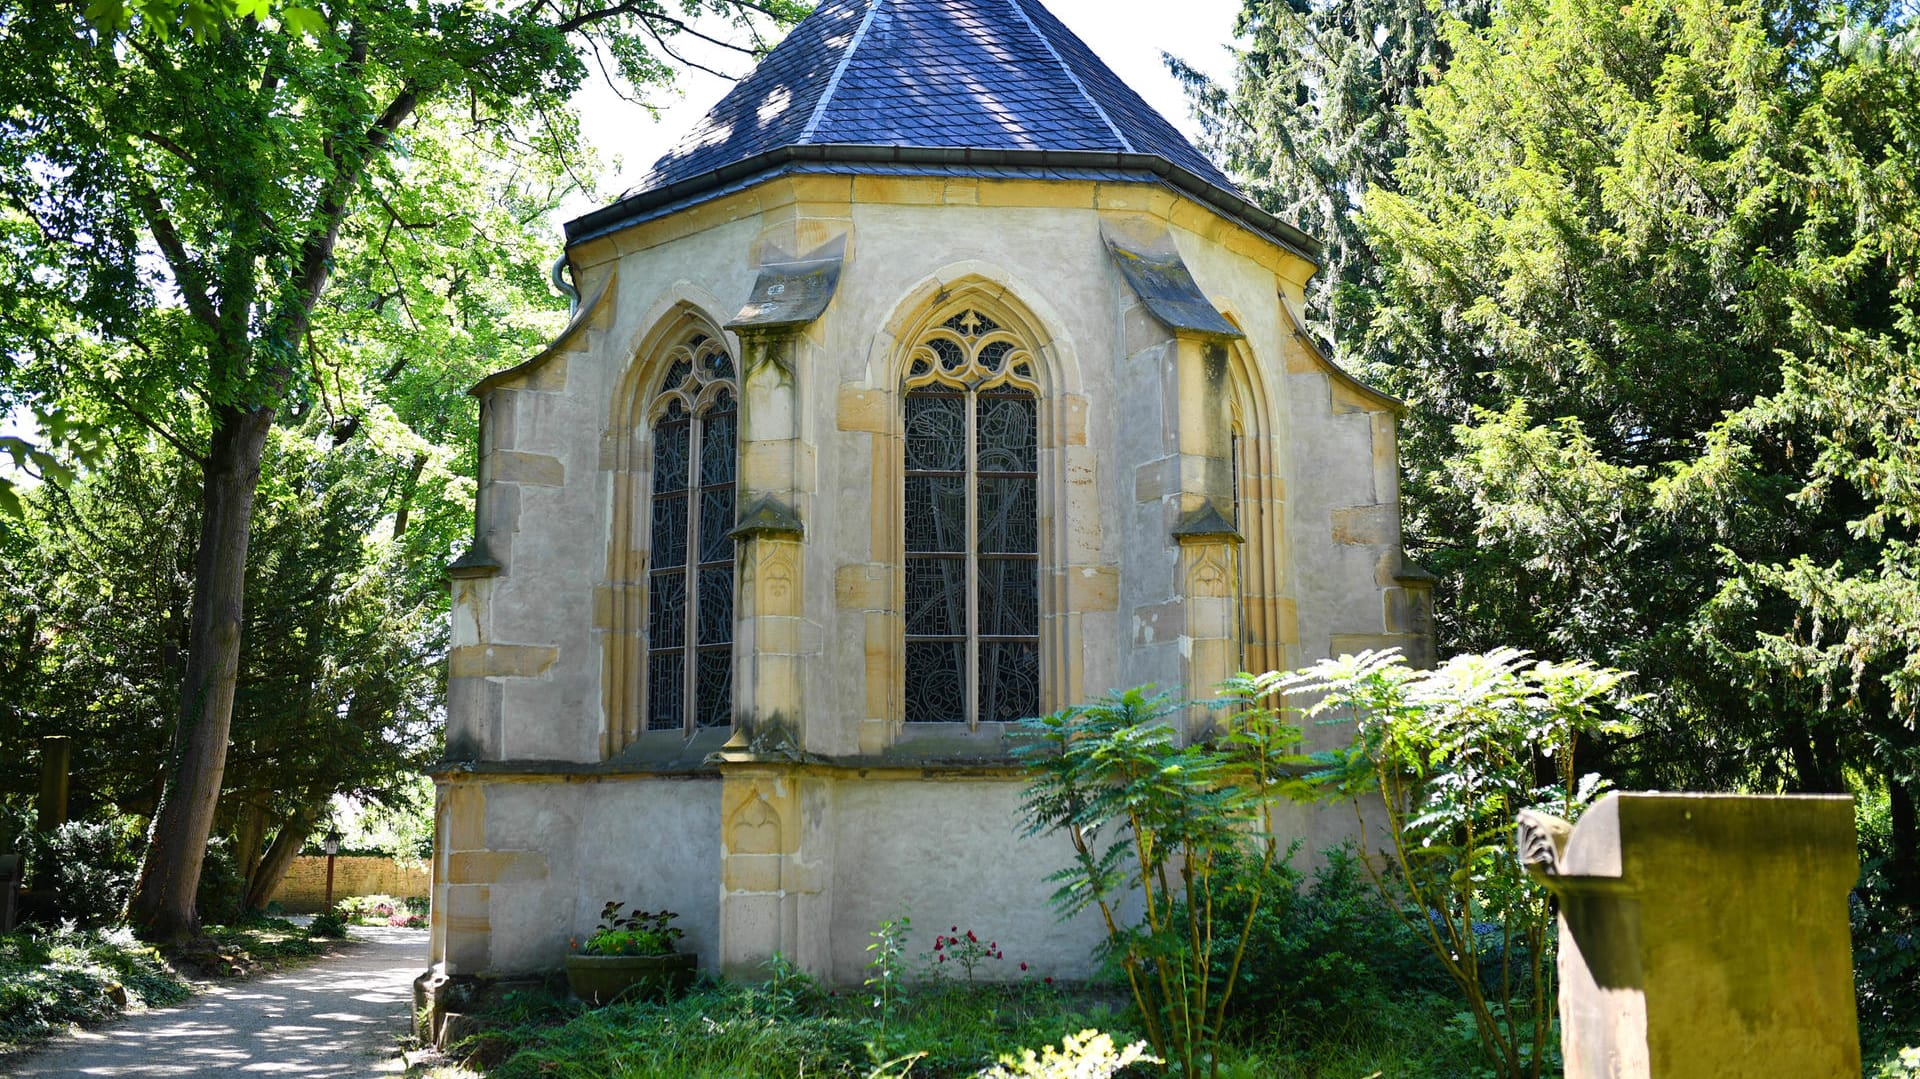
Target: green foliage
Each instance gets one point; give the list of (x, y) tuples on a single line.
[(1903, 1063), (1145, 813), (328, 923), (89, 866), (957, 1031), (392, 910), (50, 980), (1315, 117), (399, 826), (1453, 755), (1320, 951), (1647, 282), (636, 932), (1886, 943), (96, 575), (886, 967), (337, 692), (333, 220)]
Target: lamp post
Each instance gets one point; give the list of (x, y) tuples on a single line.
[(331, 844)]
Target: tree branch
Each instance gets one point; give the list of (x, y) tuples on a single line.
[(317, 254), (150, 424), (186, 275), (647, 19)]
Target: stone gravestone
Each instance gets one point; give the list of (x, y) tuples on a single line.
[(1703, 935)]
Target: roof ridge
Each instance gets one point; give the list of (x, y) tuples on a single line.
[(839, 70), (1073, 76)]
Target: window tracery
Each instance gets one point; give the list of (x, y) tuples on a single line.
[(690, 579), (971, 525)]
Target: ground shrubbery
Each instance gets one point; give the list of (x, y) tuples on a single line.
[(410, 913), (776, 1031), (788, 1027), (1886, 954), (1334, 985), (53, 979), (1322, 954)]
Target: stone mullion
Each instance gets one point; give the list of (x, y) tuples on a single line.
[(970, 687), (690, 581)]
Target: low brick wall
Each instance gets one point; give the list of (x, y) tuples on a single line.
[(304, 889)]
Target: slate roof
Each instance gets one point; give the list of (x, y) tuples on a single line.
[(975, 87)]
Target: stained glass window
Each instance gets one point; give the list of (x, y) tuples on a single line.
[(690, 585), (972, 526)]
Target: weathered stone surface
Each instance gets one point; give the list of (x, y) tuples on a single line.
[(1134, 428), (1704, 936)]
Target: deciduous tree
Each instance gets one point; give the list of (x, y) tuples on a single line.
[(178, 206)]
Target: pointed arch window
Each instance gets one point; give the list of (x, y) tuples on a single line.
[(971, 525), (690, 573)]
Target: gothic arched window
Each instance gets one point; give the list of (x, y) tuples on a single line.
[(690, 578), (972, 526)]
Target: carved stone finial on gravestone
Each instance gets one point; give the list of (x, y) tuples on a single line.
[(1541, 838), (1702, 936)]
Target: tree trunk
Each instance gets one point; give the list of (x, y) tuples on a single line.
[(252, 835), (265, 878), (162, 903), (1904, 870)]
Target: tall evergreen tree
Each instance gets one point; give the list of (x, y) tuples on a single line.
[(1630, 252), (1314, 117)]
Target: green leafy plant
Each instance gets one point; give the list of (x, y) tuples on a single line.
[(1321, 950), (370, 909), (327, 924), (1452, 755), (53, 978), (884, 966), (1144, 812), (636, 932)]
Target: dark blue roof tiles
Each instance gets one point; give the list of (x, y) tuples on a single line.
[(963, 74), (959, 74), (1145, 130), (772, 106), (958, 87)]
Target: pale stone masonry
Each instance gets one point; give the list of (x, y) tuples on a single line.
[(1204, 492), (1703, 936)]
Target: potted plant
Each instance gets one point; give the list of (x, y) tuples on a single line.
[(630, 954)]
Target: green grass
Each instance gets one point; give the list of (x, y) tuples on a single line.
[(797, 1032)]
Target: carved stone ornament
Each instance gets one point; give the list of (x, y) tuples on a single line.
[(1541, 839)]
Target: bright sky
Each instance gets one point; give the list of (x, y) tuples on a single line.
[(1129, 35)]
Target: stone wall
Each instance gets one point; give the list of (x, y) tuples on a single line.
[(304, 889), (1202, 497)]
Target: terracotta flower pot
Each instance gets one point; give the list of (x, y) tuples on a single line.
[(603, 979)]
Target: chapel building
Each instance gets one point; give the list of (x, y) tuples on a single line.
[(933, 382)]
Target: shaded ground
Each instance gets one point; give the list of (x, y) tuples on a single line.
[(336, 1018)]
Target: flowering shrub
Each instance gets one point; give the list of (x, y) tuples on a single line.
[(406, 920), (965, 950), (376, 909)]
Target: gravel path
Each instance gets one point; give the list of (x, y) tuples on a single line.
[(336, 1018)]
